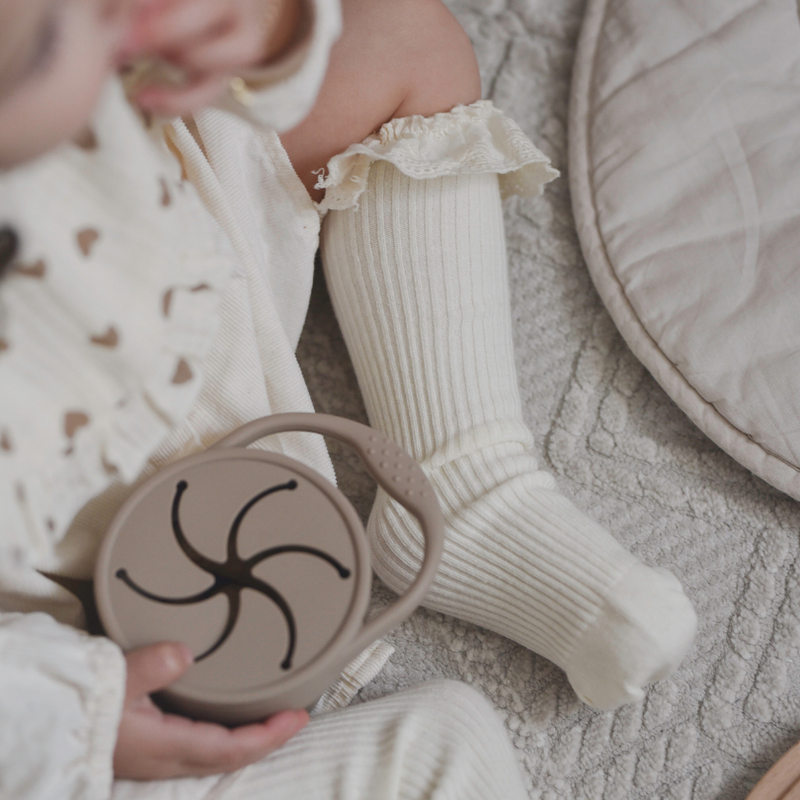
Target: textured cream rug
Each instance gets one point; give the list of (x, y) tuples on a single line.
[(625, 453)]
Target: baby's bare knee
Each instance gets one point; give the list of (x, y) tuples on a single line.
[(438, 59), (414, 50)]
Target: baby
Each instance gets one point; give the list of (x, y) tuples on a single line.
[(157, 279)]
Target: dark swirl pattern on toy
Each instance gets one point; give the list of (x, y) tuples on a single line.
[(235, 573)]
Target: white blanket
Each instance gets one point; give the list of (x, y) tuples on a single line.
[(627, 454)]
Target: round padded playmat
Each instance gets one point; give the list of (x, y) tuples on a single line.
[(685, 178)]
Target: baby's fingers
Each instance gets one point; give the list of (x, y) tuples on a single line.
[(154, 746), (155, 667), (212, 749), (170, 101)]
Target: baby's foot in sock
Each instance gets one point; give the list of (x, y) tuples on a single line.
[(522, 561), (640, 636)]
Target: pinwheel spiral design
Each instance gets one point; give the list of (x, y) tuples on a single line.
[(235, 573)]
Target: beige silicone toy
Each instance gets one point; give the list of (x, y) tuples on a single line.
[(782, 782), (260, 565)]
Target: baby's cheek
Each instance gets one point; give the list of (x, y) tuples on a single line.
[(43, 115)]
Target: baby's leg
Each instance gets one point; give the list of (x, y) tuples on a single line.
[(416, 265)]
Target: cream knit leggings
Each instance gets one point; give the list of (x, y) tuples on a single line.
[(442, 740)]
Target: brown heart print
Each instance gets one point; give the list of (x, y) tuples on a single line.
[(108, 339), (87, 237), (74, 421)]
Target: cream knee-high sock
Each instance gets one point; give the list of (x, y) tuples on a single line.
[(418, 277)]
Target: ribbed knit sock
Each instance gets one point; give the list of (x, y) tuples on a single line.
[(418, 277)]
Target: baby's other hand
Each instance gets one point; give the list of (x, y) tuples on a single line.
[(152, 745), (209, 40)]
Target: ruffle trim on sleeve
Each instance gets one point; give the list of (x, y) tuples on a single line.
[(470, 139)]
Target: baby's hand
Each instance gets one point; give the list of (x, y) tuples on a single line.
[(152, 745), (209, 40)]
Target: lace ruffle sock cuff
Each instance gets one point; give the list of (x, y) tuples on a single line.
[(414, 253)]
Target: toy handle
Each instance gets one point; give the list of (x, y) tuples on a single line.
[(396, 472)]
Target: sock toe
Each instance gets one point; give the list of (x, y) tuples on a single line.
[(641, 635)]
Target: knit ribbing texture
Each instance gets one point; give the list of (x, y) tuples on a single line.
[(418, 277)]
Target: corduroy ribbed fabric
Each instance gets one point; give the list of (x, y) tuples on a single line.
[(441, 740), (418, 277)]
